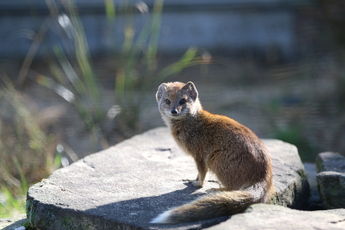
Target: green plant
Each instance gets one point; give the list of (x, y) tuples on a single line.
[(26, 153), (135, 68), (11, 205)]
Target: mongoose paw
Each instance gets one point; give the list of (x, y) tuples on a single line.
[(196, 183)]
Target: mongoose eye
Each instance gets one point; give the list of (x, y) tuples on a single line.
[(167, 101), (182, 101)]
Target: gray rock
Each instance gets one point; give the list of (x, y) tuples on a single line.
[(329, 161), (289, 177), (263, 216), (332, 189), (127, 185), (331, 179)]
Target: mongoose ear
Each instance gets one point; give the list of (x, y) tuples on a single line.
[(191, 90), (161, 89)]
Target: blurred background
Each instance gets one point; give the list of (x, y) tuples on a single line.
[(79, 76)]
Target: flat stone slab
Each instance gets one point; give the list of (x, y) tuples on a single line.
[(263, 216), (127, 185)]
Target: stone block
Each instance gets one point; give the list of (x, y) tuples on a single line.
[(331, 179)]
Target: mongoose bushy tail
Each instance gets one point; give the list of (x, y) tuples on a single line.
[(207, 207)]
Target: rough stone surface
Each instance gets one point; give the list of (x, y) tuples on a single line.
[(263, 216), (331, 179), (329, 161), (127, 185)]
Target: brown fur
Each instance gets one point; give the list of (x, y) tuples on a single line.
[(217, 143)]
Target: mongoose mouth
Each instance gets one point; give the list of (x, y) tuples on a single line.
[(174, 115)]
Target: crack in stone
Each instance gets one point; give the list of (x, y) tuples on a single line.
[(338, 221)]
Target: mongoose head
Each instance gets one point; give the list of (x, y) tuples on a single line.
[(177, 100)]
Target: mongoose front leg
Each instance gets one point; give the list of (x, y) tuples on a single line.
[(202, 170)]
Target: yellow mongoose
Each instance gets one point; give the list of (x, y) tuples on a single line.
[(217, 143)]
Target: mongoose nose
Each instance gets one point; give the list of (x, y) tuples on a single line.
[(174, 111)]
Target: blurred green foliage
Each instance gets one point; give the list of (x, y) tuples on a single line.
[(294, 135), (26, 152)]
